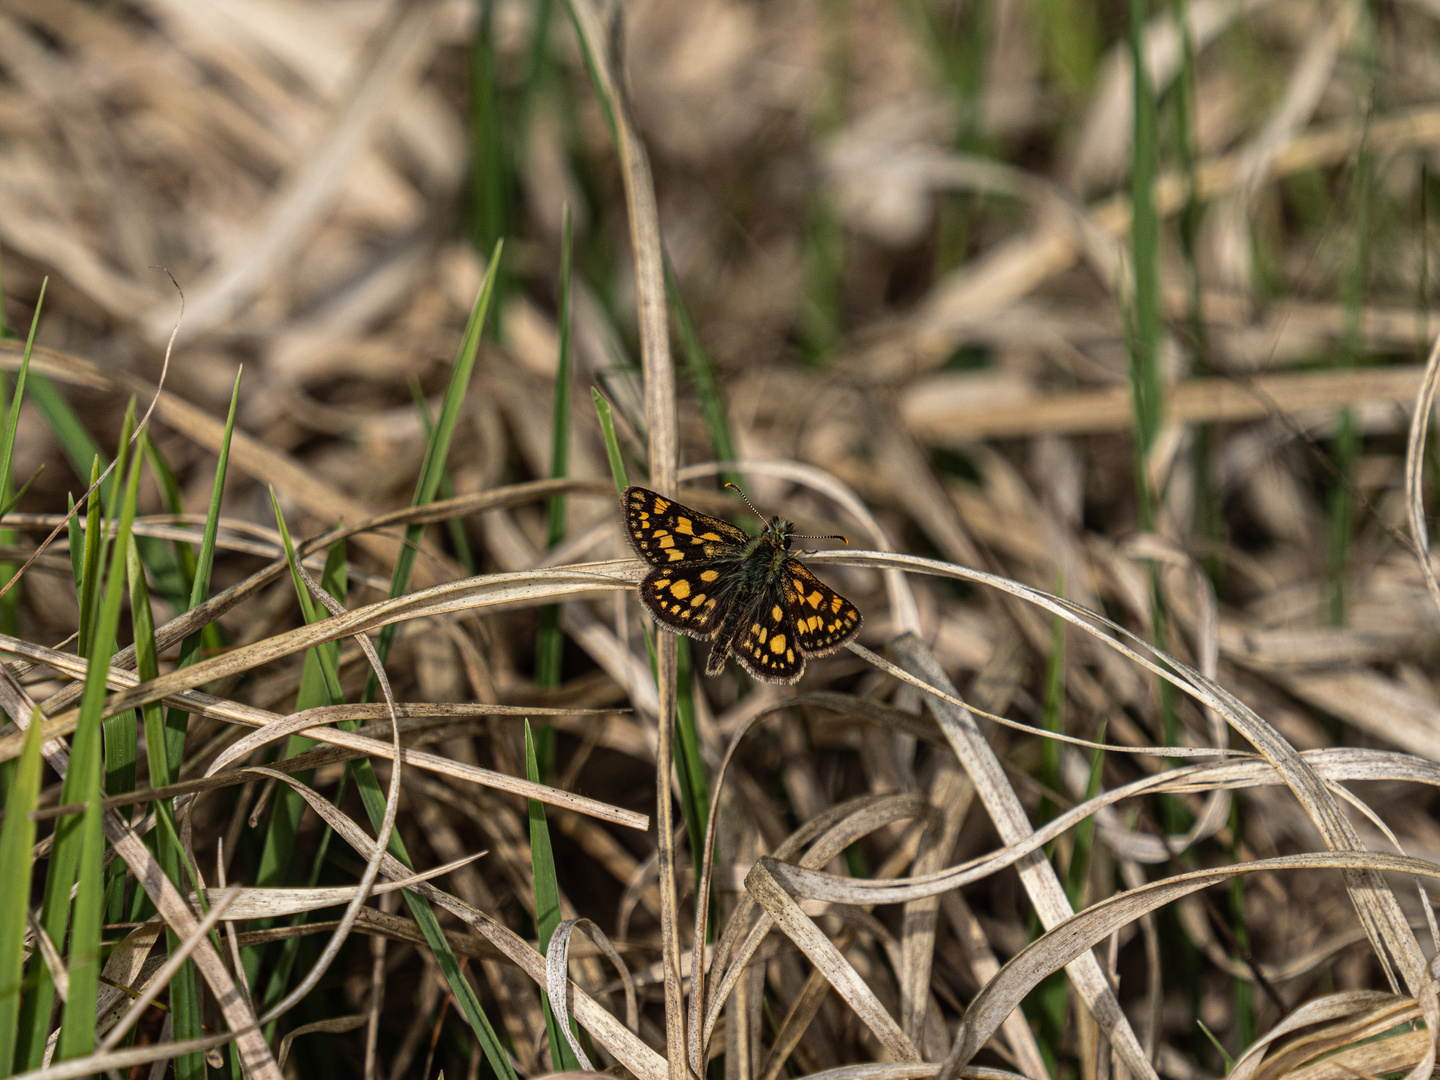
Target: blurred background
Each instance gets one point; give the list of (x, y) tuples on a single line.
[(1150, 347)]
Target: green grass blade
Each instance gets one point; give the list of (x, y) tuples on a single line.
[(77, 1029), (592, 68), (1345, 447), (147, 661), (90, 564), (702, 373), (1072, 41), (166, 749), (205, 561), (560, 413), (174, 499), (439, 445), (77, 545), (550, 644), (612, 444), (76, 442), (14, 499), (120, 734), (122, 459), (17, 837), (689, 762), (12, 421), (276, 858), (455, 526), (313, 613), (184, 1004), (547, 901), (82, 780), (319, 685), (491, 162), (1146, 388), (373, 797)]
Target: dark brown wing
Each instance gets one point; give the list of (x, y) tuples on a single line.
[(824, 620), (685, 597), (765, 642), (664, 532)]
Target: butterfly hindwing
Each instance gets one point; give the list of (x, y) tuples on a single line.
[(824, 620), (766, 643), (664, 532), (677, 597)]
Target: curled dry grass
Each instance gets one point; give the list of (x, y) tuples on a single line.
[(1059, 736)]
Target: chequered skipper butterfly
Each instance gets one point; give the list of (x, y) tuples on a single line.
[(747, 594)]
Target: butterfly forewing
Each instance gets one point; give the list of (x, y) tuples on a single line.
[(766, 642), (824, 620), (665, 532)]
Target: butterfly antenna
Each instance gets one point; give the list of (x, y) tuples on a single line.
[(827, 536), (747, 501)]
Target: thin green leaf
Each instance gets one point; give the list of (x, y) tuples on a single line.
[(276, 859), (550, 643), (1147, 390), (14, 499), (17, 837), (174, 499), (702, 372), (438, 448), (455, 526), (82, 781), (689, 762), (547, 901), (612, 444), (12, 421), (77, 1028), (76, 442), (90, 565)]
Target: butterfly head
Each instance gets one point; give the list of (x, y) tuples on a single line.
[(780, 532)]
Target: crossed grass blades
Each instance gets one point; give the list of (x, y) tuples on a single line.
[(712, 580)]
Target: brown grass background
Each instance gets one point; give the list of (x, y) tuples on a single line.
[(901, 228)]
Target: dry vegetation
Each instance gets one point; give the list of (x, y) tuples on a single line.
[(1119, 440)]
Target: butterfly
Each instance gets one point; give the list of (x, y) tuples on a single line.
[(747, 594)]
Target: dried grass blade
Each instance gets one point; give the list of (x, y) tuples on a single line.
[(832, 832), (564, 1054), (557, 956), (1079, 933), (178, 958), (1038, 876), (614, 1036), (1415, 471), (821, 951)]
